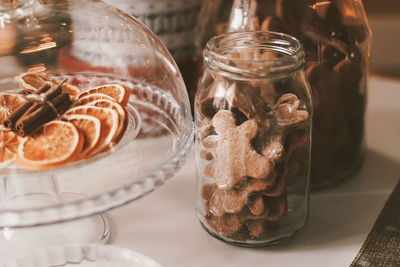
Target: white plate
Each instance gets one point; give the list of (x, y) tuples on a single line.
[(90, 255)]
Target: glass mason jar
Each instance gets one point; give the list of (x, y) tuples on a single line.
[(336, 39), (253, 115)]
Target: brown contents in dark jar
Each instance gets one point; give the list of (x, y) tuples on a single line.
[(336, 39), (190, 67)]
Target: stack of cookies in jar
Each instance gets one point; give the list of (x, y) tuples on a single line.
[(253, 141)]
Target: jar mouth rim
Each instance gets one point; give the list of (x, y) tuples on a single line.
[(286, 53)]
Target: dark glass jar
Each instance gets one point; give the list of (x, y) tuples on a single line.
[(336, 39), (253, 115), (173, 21)]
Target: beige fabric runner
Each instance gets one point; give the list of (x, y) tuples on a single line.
[(382, 246)]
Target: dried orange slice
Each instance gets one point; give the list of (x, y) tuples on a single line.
[(91, 97), (32, 82), (90, 127), (8, 146), (105, 103), (116, 91), (109, 124), (72, 90), (8, 103), (56, 143)]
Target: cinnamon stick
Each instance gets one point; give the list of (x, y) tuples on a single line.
[(62, 103), (52, 93), (49, 95), (45, 113), (44, 88), (22, 109), (16, 114)]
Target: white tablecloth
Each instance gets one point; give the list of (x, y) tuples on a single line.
[(164, 226)]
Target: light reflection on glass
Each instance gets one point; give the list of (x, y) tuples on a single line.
[(40, 47)]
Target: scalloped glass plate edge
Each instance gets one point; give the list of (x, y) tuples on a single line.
[(100, 203)]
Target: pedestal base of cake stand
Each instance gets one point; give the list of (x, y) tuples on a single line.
[(19, 242)]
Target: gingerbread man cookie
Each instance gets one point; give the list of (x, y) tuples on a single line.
[(232, 201), (285, 115), (234, 156), (288, 113)]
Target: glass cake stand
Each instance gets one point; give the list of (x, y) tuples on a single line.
[(89, 43)]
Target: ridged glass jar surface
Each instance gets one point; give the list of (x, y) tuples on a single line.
[(336, 39), (253, 114)]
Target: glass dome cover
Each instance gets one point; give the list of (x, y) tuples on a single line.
[(87, 45)]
